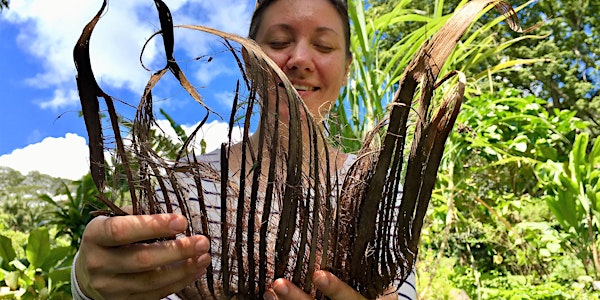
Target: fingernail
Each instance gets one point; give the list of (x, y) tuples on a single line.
[(202, 245), (178, 224), (203, 260), (280, 287), (321, 280)]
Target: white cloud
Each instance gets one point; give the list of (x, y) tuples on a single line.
[(231, 16), (61, 98), (65, 157), (48, 31), (209, 71), (225, 99)]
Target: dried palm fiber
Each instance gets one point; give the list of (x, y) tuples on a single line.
[(290, 211)]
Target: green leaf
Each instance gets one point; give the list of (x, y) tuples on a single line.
[(553, 247), (6, 249), (577, 156), (178, 129), (12, 280), (61, 275), (594, 157), (38, 247), (39, 282), (56, 255), (507, 65), (520, 146), (545, 253), (49, 200), (490, 151), (548, 152), (18, 265)]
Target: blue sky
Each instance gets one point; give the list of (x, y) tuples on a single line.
[(40, 128)]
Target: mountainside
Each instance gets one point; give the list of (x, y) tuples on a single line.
[(13, 183)]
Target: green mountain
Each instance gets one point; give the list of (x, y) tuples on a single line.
[(13, 184), (20, 206)]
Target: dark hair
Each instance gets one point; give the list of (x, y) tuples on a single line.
[(340, 6)]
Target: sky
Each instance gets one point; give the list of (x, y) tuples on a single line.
[(40, 126)]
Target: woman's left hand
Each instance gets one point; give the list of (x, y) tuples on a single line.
[(325, 282)]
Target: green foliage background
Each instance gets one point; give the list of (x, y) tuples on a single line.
[(495, 228)]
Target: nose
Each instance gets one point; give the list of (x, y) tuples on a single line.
[(300, 58)]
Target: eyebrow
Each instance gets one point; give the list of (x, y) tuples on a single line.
[(289, 28), (327, 29)]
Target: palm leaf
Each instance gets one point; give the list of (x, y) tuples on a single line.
[(288, 202)]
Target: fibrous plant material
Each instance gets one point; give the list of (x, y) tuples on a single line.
[(285, 207)]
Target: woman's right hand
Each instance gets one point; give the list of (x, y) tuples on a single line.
[(115, 263)]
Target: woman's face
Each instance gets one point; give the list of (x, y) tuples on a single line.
[(306, 40)]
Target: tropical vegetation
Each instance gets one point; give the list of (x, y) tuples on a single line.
[(516, 209)]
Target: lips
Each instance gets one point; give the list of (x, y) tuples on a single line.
[(303, 88), (306, 88)]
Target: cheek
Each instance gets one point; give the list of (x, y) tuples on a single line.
[(335, 72), (277, 57)]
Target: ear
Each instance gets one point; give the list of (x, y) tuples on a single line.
[(347, 69)]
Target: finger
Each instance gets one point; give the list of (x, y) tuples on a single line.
[(333, 287), (285, 290), (162, 281), (122, 230), (137, 258)]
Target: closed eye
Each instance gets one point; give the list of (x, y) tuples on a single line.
[(278, 45), (324, 48)]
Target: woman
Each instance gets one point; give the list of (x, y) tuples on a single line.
[(309, 41)]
